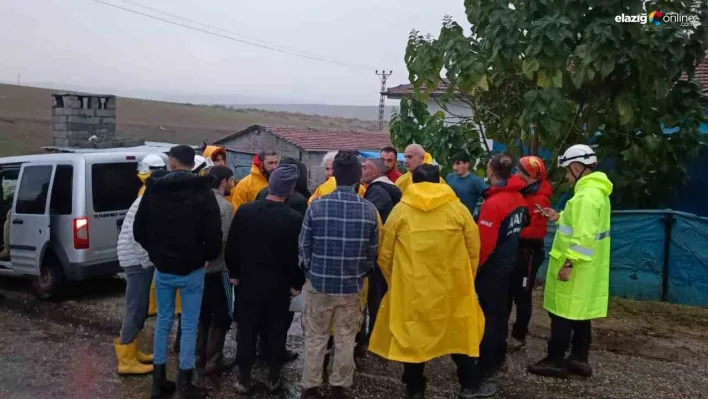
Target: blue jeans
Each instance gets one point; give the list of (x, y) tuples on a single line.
[(191, 288), (137, 300)]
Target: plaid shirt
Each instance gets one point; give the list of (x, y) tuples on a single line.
[(339, 242)]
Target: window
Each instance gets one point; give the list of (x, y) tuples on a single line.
[(62, 191), (32, 194), (114, 186)]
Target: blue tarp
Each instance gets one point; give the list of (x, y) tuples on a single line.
[(376, 154), (637, 257)]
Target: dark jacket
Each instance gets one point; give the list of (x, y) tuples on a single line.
[(384, 196), (301, 184), (295, 200), (501, 218), (262, 249), (179, 223)]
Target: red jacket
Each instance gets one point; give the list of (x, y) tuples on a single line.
[(537, 193), (393, 174), (501, 218)]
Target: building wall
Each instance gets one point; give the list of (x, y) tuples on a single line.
[(456, 108), (75, 118)]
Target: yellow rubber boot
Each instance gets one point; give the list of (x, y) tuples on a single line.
[(140, 355), (127, 363)]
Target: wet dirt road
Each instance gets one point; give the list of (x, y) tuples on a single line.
[(64, 350)]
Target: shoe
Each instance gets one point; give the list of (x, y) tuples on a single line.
[(215, 362), (274, 385), (128, 364), (185, 388), (515, 345), (578, 366), (549, 368), (161, 386), (340, 393), (484, 390), (243, 388), (312, 393), (140, 355), (417, 395)]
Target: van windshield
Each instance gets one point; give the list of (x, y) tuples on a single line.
[(114, 186)]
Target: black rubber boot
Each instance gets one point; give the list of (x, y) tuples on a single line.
[(549, 368), (578, 365), (201, 355), (161, 386), (243, 386), (215, 362), (185, 388)]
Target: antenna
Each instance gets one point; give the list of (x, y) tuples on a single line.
[(383, 77)]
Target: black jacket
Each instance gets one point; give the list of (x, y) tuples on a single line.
[(179, 223), (295, 200), (262, 249), (384, 196)]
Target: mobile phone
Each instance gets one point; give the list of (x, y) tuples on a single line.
[(540, 209)]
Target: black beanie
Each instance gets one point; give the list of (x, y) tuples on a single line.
[(346, 168)]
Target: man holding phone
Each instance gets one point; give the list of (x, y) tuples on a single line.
[(530, 255), (577, 282)]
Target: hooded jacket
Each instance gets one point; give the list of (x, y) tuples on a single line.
[(295, 200), (328, 187), (501, 218), (582, 237), (384, 195), (406, 179), (179, 223), (248, 188), (211, 151), (539, 193), (429, 255)]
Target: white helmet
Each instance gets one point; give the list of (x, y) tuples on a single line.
[(578, 153), (201, 163), (151, 162)]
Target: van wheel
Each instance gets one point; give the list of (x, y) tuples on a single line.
[(47, 285)]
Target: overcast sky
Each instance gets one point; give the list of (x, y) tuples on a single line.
[(85, 45)]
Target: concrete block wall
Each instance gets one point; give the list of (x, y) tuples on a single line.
[(76, 117)]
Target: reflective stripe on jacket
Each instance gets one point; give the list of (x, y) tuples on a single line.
[(582, 237)]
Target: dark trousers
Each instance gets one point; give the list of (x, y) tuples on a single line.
[(491, 290), (563, 332), (530, 257), (377, 290), (265, 316), (467, 374), (286, 326), (217, 302)]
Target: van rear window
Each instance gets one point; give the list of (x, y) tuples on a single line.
[(114, 186)]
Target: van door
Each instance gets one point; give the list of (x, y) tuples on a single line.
[(29, 229)]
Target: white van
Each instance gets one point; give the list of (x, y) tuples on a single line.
[(67, 211)]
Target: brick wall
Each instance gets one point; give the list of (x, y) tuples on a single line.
[(77, 117)]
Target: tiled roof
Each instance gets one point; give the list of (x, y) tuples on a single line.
[(702, 76), (312, 139)]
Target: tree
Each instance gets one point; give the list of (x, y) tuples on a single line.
[(551, 73)]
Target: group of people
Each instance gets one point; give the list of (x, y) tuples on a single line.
[(389, 262)]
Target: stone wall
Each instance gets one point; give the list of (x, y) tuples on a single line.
[(77, 117)]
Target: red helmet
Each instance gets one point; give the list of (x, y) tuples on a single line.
[(532, 166)]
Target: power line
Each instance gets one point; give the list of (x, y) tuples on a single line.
[(267, 47)]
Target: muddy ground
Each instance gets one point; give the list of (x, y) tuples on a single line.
[(64, 350)]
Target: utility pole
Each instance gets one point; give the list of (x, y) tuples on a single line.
[(383, 77)]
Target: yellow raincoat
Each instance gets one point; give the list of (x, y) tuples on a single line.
[(152, 307), (328, 187), (248, 188), (429, 256), (212, 151), (406, 179)]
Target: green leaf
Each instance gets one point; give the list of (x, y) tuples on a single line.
[(590, 72), (483, 83), (607, 67), (625, 111), (558, 79), (543, 80), (529, 67)]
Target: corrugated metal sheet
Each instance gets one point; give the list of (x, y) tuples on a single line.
[(150, 146)]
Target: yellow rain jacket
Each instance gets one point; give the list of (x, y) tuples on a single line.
[(429, 256), (328, 187), (212, 151), (406, 179), (583, 237), (152, 306), (248, 188)]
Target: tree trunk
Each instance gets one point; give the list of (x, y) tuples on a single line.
[(533, 147)]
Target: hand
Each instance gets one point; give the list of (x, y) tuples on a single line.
[(565, 271), (234, 282), (550, 214), (294, 293)]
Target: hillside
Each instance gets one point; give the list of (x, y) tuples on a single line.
[(363, 112), (25, 115)]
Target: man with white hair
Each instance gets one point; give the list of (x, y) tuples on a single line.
[(330, 184), (415, 156)]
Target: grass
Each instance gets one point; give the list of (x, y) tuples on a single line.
[(25, 120)]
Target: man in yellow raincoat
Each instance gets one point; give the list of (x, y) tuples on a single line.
[(216, 154), (330, 183), (415, 156), (429, 256), (248, 188), (578, 277)]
